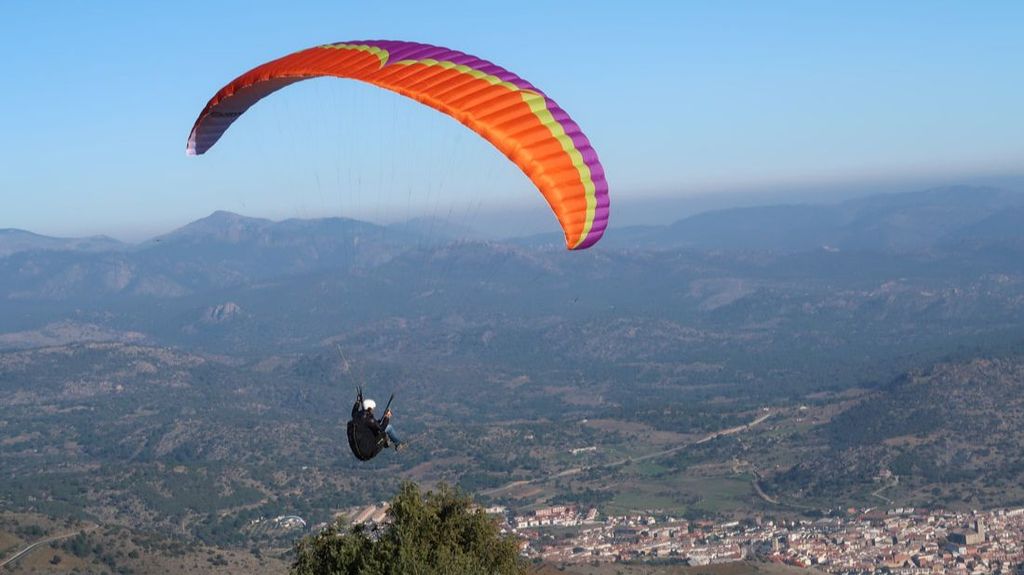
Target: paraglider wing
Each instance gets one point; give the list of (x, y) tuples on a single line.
[(512, 114)]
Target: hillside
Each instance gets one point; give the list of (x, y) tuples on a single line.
[(77, 547), (192, 384), (942, 437)]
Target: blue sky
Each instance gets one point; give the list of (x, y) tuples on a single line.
[(679, 98)]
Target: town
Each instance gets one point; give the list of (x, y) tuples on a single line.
[(902, 540)]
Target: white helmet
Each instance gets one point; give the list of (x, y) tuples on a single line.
[(369, 404)]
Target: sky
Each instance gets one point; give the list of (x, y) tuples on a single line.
[(680, 98)]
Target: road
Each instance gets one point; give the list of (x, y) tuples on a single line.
[(28, 549), (878, 493), (760, 492), (669, 451)]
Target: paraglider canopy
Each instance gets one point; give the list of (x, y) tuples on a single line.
[(511, 113)]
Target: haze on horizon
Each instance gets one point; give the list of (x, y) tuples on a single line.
[(697, 101)]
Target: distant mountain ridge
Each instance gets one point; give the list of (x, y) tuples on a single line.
[(901, 222), (889, 222), (228, 251), (14, 240), (220, 251), (230, 228)]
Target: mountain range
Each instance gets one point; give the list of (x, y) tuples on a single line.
[(884, 222), (888, 273), (889, 222)]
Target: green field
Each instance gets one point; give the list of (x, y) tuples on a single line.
[(679, 495)]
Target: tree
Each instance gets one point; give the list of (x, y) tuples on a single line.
[(425, 533)]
